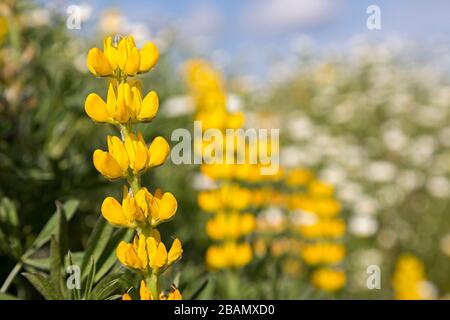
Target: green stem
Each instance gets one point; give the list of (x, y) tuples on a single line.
[(135, 183), (153, 286)]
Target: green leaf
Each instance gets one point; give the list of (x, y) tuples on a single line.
[(69, 209), (89, 283), (42, 284), (108, 256), (97, 242), (6, 296), (44, 263), (62, 230), (76, 292), (199, 290), (109, 285), (55, 265)]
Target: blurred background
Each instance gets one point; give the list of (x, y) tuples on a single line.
[(366, 112)]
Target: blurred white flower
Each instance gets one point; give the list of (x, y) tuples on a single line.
[(445, 244), (365, 206), (439, 187), (177, 106), (203, 182), (363, 226), (381, 171), (428, 290), (394, 139), (410, 180), (234, 103), (38, 17), (300, 128)]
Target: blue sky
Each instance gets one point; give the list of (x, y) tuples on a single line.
[(257, 27)]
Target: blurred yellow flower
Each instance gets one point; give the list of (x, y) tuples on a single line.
[(322, 253), (409, 278), (329, 280), (229, 255), (230, 226)]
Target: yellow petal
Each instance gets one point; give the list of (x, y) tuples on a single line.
[(117, 150), (158, 151), (144, 293), (133, 62), (111, 101), (112, 211), (167, 207), (107, 165), (127, 256), (149, 107), (175, 251), (126, 296), (122, 54), (152, 250), (98, 64), (131, 210), (149, 56), (141, 160), (95, 108), (142, 250), (110, 52), (161, 256), (174, 294)]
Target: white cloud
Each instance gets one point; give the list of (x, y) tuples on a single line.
[(282, 15)]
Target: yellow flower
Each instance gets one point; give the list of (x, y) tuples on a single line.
[(148, 253), (123, 104), (333, 228), (408, 279), (140, 210), (229, 196), (320, 189), (329, 280), (132, 154), (229, 255), (323, 253), (122, 59), (230, 226)]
